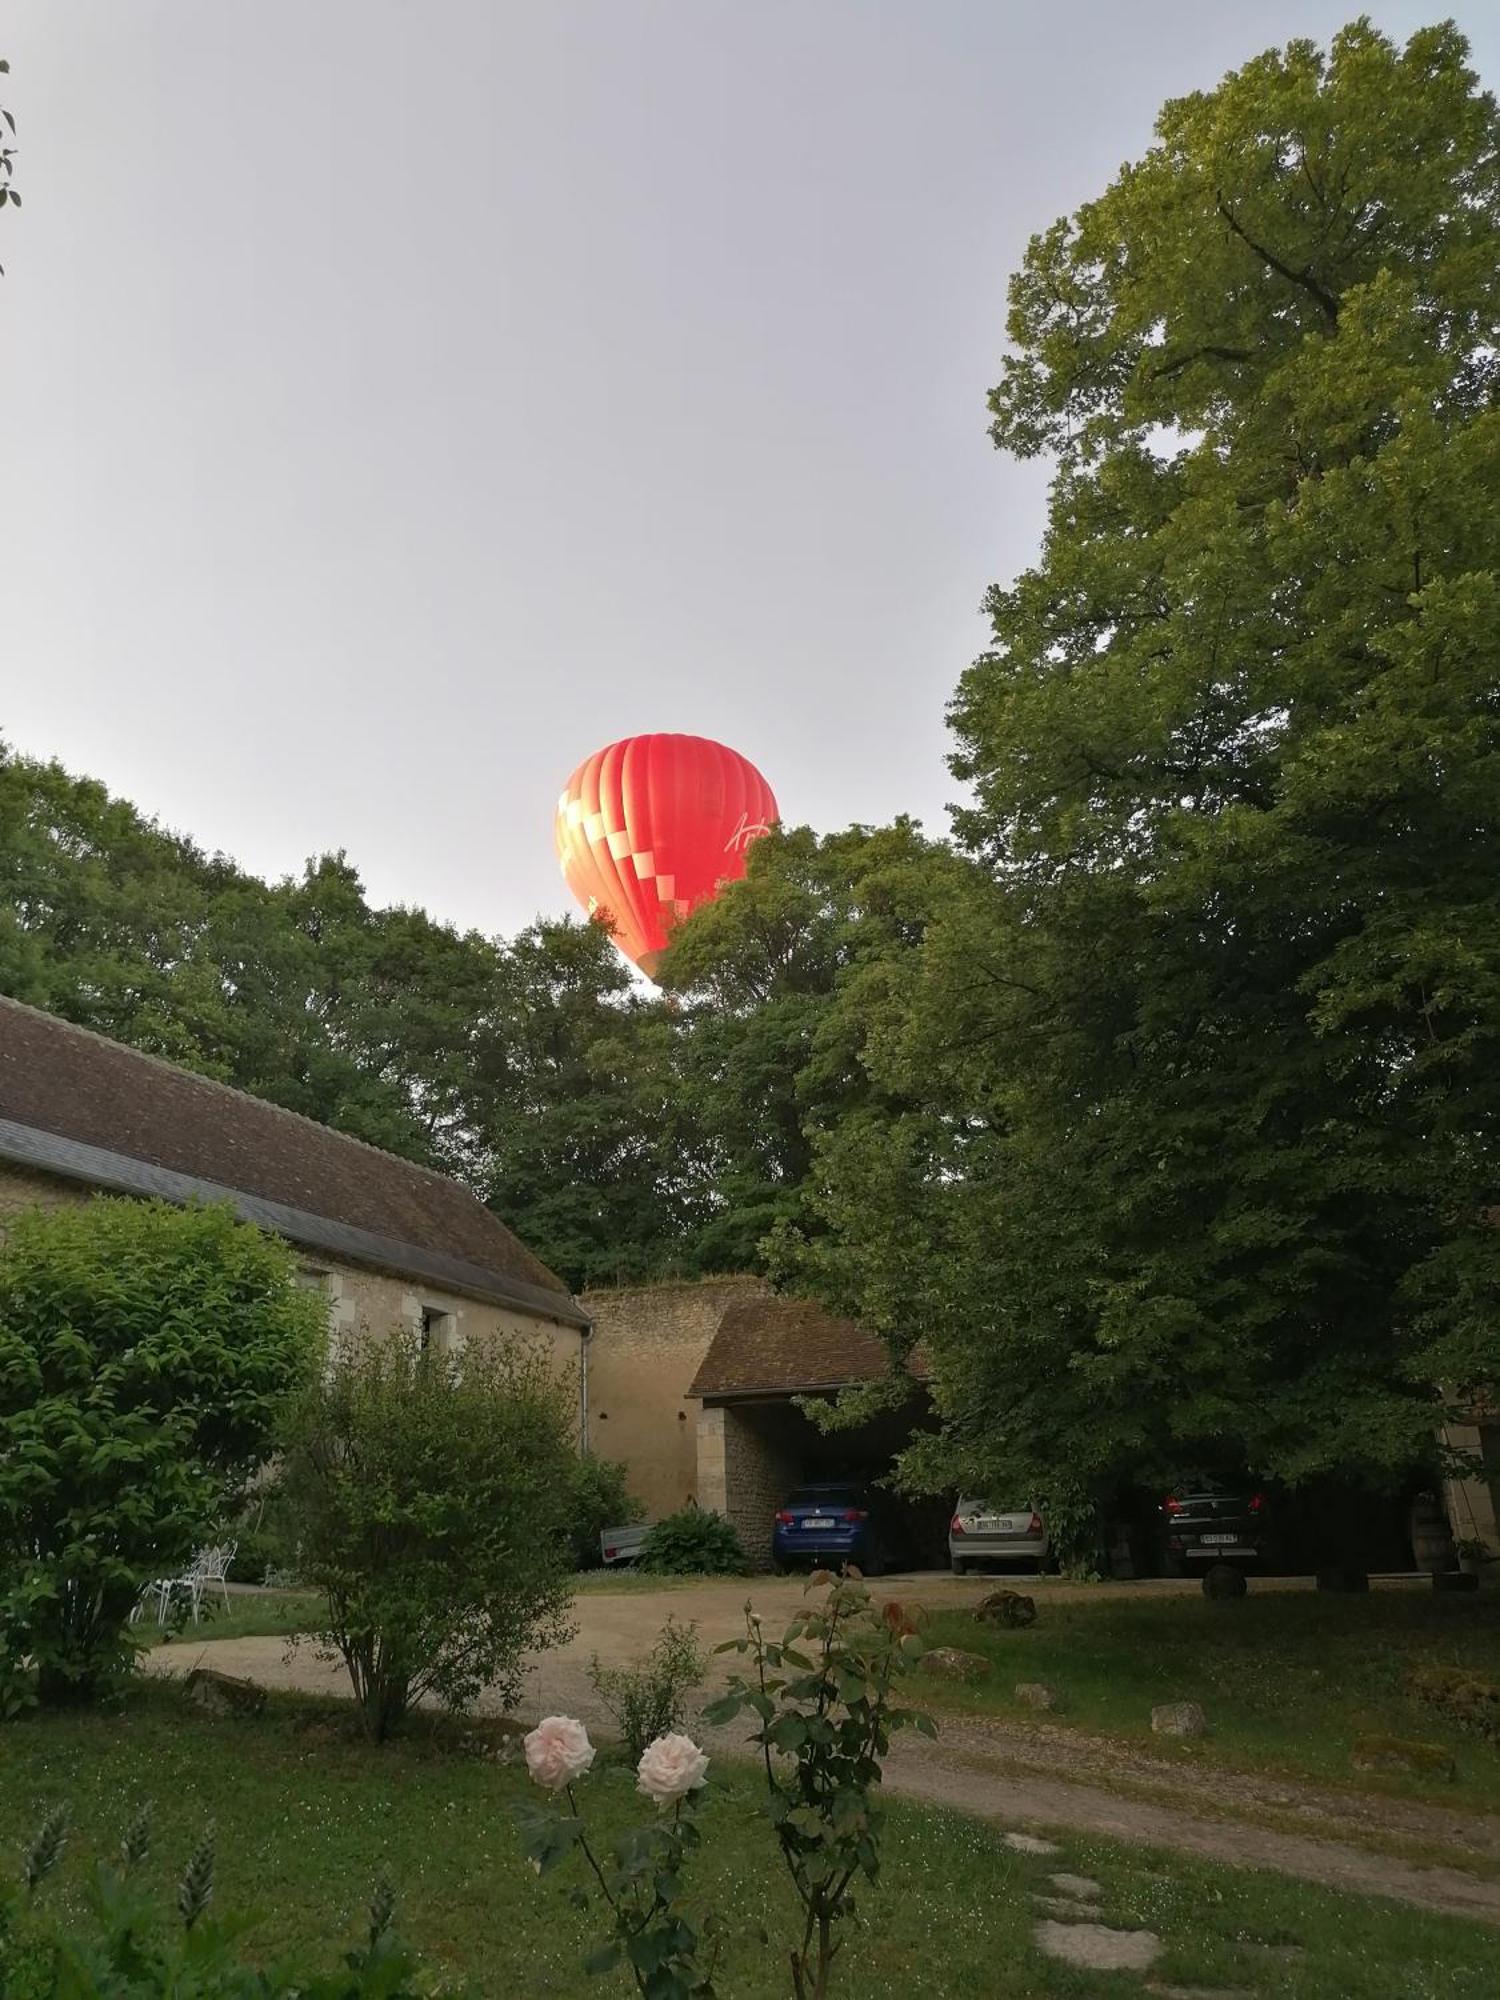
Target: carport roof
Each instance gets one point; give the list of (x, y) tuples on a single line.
[(771, 1346)]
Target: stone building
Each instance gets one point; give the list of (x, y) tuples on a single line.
[(695, 1387), (393, 1246)]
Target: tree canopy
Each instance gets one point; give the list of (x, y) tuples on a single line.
[(1202, 1165)]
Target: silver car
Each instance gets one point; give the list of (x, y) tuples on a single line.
[(981, 1532)]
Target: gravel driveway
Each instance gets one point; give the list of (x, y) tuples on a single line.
[(1020, 1774)]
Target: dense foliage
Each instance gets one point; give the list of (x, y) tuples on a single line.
[(145, 1354), (695, 1541), (432, 1497), (600, 1499), (1202, 1160)]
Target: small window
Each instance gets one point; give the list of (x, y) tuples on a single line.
[(435, 1334)]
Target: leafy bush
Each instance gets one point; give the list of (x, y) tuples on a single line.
[(601, 1500), (432, 1496), (648, 1699), (668, 1948), (693, 1542), (129, 1948), (266, 1536), (145, 1353), (824, 1696)]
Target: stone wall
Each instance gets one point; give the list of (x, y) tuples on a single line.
[(647, 1345), (750, 1456)]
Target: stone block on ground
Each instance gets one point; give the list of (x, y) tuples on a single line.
[(1006, 1607), (223, 1694), (1029, 1843), (1036, 1694), (1404, 1759), (1075, 1885), (1178, 1718), (1098, 1947), (1223, 1582), (951, 1663), (1197, 1992)]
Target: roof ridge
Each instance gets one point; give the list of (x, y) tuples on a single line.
[(246, 1096)]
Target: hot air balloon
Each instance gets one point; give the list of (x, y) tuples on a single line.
[(650, 827)]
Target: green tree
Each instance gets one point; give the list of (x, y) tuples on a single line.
[(584, 1143), (775, 979), (433, 1496), (145, 1353), (1199, 1160)]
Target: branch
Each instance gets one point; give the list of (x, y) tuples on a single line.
[(1209, 348), (1303, 278)]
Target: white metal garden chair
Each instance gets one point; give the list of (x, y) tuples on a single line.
[(208, 1571)]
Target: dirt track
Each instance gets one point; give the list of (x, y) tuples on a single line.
[(1021, 1775)]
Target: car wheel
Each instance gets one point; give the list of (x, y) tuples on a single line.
[(958, 1566)]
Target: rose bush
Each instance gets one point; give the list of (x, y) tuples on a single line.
[(640, 1878)]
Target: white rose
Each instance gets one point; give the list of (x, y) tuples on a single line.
[(670, 1768), (558, 1750)]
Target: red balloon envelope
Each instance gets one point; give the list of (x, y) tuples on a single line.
[(649, 828)]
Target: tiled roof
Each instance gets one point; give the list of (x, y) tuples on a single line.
[(769, 1345), (70, 1083)]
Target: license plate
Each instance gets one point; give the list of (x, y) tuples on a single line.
[(818, 1521), (1220, 1541)]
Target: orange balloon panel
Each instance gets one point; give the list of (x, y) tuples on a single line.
[(648, 828)]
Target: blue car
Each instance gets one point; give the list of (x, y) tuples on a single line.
[(827, 1525)]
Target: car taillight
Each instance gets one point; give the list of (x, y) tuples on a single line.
[(856, 1514), (1257, 1501), (610, 1554), (1171, 1506), (783, 1519), (1034, 1525), (956, 1525)]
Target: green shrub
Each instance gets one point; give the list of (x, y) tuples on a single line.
[(649, 1698), (145, 1354), (601, 1500), (694, 1542), (126, 1946), (432, 1498), (265, 1537)]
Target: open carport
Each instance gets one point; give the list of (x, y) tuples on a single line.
[(756, 1445)]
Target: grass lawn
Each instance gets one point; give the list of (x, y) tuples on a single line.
[(308, 1817), (265, 1614), (1288, 1680)]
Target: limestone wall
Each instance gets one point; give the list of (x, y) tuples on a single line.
[(646, 1347), (749, 1459)]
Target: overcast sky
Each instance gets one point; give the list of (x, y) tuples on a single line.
[(399, 401)]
